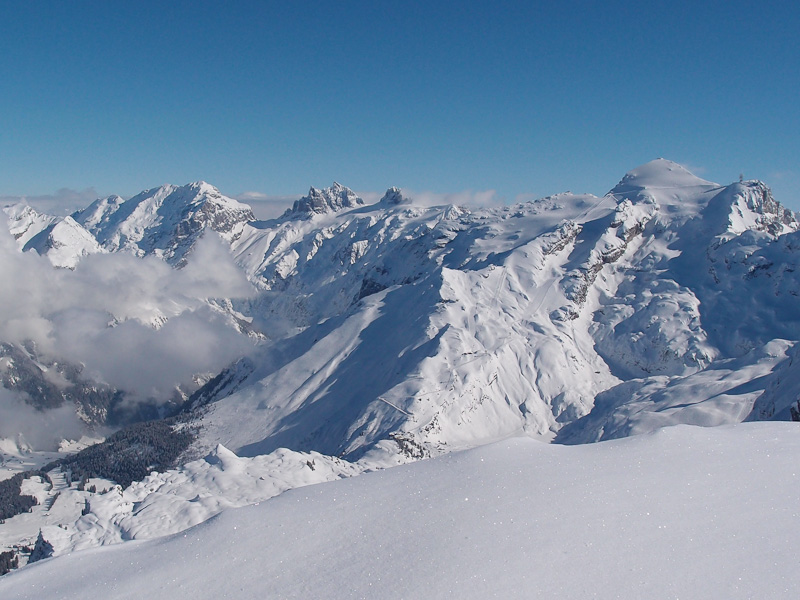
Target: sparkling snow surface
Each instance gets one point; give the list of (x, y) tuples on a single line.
[(684, 512)]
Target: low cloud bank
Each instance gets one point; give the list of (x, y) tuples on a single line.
[(41, 430), (266, 206), (135, 323), (469, 198)]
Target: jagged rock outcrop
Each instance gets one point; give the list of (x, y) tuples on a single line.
[(393, 196), (326, 200), (165, 221)]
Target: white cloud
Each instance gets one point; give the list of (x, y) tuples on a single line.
[(694, 169), (370, 197), (38, 429), (105, 314), (783, 175), (469, 198)]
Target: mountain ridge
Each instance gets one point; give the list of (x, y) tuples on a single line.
[(331, 252), (389, 332)]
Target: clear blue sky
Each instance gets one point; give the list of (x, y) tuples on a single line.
[(518, 97)]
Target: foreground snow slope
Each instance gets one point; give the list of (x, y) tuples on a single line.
[(682, 513)]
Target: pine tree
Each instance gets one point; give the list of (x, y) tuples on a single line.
[(41, 549), (8, 561)]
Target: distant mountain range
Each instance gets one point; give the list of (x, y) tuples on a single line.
[(383, 333)]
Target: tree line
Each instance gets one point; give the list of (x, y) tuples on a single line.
[(130, 454), (12, 500)]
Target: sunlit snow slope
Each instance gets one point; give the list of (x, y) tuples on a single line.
[(415, 330), (669, 300), (682, 513)]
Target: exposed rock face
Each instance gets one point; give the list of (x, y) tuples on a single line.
[(165, 221), (326, 200), (394, 195)]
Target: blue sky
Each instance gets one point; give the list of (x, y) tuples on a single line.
[(523, 98)]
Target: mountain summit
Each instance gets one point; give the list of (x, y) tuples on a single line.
[(165, 221), (320, 201), (660, 174)]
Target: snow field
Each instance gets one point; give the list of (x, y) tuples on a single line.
[(682, 513)]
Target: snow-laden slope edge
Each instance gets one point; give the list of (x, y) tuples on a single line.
[(683, 513)]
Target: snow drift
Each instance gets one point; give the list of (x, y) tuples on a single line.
[(684, 513)]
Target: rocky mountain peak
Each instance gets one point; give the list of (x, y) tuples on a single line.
[(394, 195), (320, 201), (167, 219), (750, 205)]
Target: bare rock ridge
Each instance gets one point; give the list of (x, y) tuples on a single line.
[(321, 201)]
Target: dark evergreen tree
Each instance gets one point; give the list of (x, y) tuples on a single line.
[(12, 501), (131, 453), (8, 560), (41, 549)]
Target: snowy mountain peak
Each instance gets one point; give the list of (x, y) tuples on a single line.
[(64, 243), (659, 173), (91, 216), (327, 200), (203, 186), (666, 185), (205, 192), (61, 239), (166, 220), (727, 210), (753, 207), (25, 222), (394, 195)]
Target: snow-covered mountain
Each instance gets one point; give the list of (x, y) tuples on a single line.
[(164, 221), (61, 239), (393, 331), (445, 326), (442, 327)]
